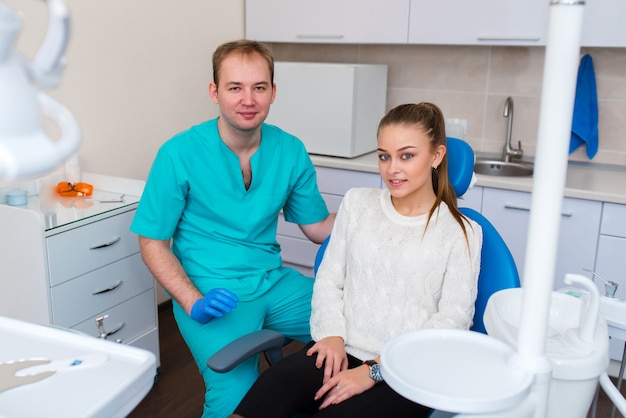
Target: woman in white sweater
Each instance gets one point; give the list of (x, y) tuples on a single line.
[(399, 259)]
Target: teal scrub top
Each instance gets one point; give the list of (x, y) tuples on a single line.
[(195, 195)]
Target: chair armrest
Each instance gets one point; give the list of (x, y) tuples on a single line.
[(231, 355)]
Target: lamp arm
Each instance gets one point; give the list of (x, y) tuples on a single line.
[(49, 62)]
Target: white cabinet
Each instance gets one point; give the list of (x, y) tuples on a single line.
[(328, 21), (68, 262), (296, 249), (473, 199), (603, 23), (441, 22), (476, 22), (509, 212), (610, 259)]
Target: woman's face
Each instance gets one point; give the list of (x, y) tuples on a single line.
[(405, 161)]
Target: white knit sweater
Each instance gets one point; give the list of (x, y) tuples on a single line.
[(382, 275)]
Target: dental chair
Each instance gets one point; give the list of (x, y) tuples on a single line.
[(497, 270)]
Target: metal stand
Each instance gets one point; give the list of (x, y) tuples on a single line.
[(620, 378)]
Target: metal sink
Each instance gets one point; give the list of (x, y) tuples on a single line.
[(503, 168)]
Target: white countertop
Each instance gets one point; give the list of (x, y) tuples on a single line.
[(584, 180)]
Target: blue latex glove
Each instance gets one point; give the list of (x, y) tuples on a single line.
[(214, 304)]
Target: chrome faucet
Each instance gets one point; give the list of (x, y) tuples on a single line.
[(510, 152), (610, 287)]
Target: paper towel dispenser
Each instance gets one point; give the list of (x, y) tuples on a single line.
[(333, 108)]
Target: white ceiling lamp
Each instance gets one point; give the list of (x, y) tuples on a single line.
[(25, 148)]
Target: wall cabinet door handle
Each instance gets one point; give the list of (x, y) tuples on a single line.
[(106, 244), (319, 36), (108, 289), (529, 38), (525, 209)]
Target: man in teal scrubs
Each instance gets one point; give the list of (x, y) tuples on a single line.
[(208, 215)]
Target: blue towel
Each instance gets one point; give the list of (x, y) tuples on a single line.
[(585, 118)]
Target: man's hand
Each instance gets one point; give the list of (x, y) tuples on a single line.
[(214, 304)]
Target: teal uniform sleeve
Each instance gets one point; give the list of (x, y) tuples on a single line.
[(305, 204), (162, 201)]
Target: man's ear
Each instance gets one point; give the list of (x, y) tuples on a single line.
[(213, 92)]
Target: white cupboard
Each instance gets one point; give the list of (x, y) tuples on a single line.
[(473, 199), (509, 212), (328, 21), (442, 22), (296, 249), (603, 24), (479, 22), (610, 258), (74, 263)]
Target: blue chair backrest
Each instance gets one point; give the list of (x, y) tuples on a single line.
[(497, 267)]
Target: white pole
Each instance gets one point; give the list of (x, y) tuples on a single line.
[(555, 122)]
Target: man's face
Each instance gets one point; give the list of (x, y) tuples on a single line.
[(245, 91)]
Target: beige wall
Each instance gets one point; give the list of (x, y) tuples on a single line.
[(137, 72), (472, 82)]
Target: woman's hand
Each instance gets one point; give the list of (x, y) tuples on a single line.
[(331, 354), (345, 385)]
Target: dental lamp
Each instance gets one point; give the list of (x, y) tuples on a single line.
[(25, 148)]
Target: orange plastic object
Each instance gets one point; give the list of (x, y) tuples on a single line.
[(66, 189)]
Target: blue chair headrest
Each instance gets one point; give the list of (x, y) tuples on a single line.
[(460, 164)]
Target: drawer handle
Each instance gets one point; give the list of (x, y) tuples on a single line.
[(515, 207), (106, 244), (108, 289), (116, 330)]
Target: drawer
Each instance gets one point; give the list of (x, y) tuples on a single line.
[(613, 220), (297, 251), (83, 249), (126, 321), (87, 295), (337, 181), (148, 341)]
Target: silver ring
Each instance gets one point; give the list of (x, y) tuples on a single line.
[(337, 387)]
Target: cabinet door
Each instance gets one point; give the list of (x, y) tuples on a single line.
[(610, 266), (327, 21), (509, 212), (612, 248), (472, 199), (603, 23), (476, 22), (297, 251)]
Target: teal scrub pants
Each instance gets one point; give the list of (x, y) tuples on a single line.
[(285, 308)]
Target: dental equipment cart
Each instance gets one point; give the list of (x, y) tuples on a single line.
[(74, 263)]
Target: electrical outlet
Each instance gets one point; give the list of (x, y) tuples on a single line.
[(456, 128)]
